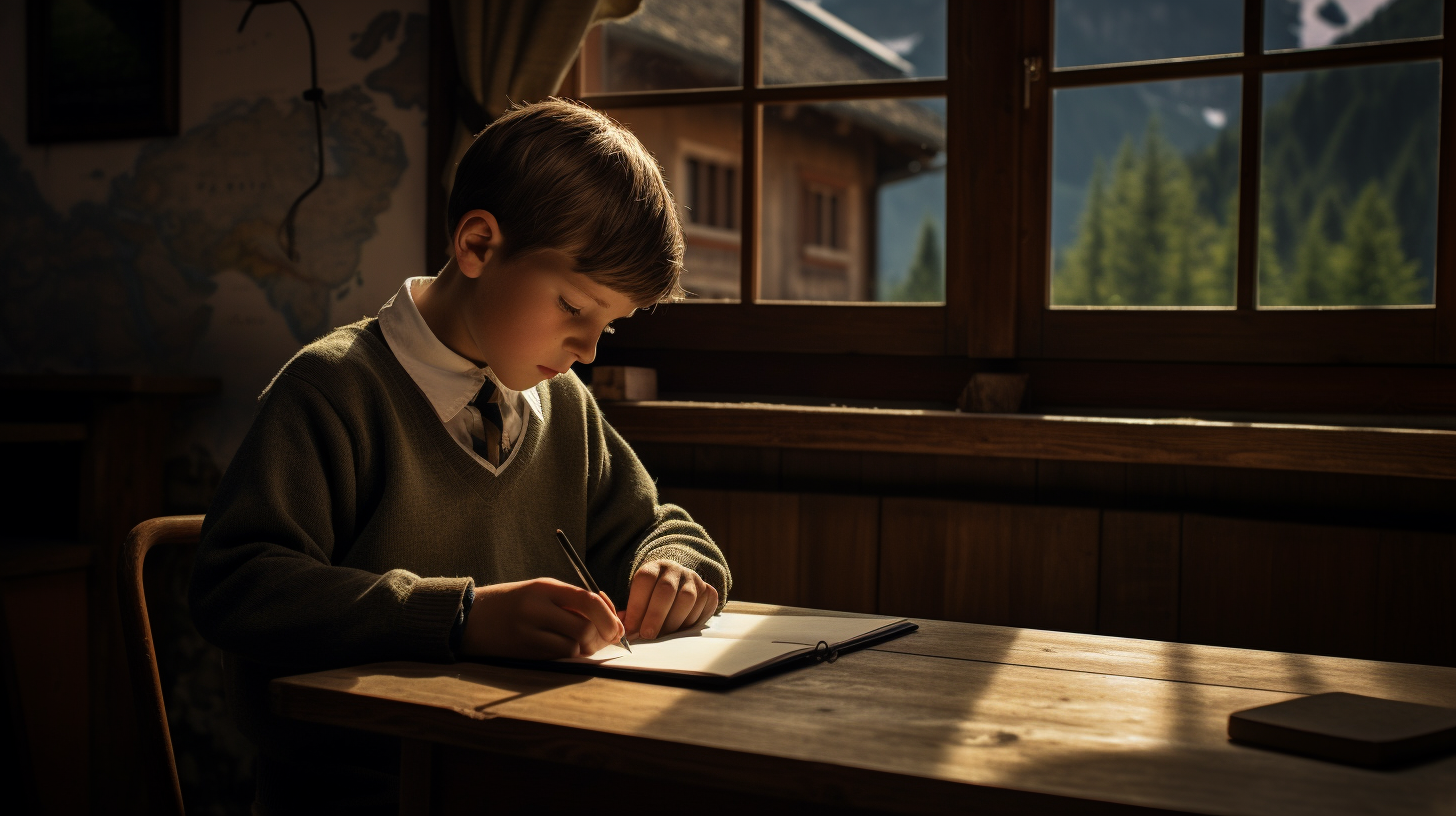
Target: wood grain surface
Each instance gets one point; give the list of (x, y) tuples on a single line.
[(955, 716), (989, 563), (1378, 451)]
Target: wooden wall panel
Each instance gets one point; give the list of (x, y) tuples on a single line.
[(1094, 484), (764, 530), (839, 552), (1138, 575), (1012, 565), (1280, 586), (1053, 555), (736, 467), (912, 556), (822, 471), (1335, 498), (979, 564), (1415, 611), (758, 533), (1284, 586), (967, 478)]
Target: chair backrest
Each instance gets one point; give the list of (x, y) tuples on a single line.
[(163, 789)]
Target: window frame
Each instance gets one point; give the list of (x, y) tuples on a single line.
[(754, 324), (1388, 335), (998, 165)]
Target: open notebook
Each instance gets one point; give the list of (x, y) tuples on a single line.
[(733, 648)]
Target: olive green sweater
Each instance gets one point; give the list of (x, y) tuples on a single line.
[(350, 525)]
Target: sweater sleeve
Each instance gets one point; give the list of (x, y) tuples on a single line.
[(627, 527), (265, 584)]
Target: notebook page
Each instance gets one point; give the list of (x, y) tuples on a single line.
[(731, 643), (806, 629), (722, 657)]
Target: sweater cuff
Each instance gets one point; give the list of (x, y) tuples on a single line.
[(706, 568), (430, 612)]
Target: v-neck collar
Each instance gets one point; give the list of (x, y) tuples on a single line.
[(465, 464)]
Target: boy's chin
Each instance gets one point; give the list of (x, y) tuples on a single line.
[(520, 381)]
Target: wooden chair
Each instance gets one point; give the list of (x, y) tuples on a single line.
[(164, 792)]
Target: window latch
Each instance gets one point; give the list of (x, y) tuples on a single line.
[(1031, 72)]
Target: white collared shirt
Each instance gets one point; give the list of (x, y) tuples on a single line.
[(450, 381)]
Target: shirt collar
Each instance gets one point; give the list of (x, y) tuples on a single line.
[(448, 380)]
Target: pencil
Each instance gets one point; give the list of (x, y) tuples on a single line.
[(584, 574)]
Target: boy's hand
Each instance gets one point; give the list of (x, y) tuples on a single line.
[(665, 598), (541, 619)]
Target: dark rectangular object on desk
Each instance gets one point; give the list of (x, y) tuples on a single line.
[(1349, 728)]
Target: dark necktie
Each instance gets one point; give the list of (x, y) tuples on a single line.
[(486, 435)]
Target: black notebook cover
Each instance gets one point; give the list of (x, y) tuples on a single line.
[(1349, 728)]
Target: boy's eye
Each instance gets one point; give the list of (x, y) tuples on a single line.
[(567, 307)]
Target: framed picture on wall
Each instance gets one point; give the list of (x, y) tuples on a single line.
[(100, 69)]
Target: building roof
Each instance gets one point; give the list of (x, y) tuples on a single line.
[(803, 43)]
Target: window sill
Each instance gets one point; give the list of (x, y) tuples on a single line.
[(1420, 453)]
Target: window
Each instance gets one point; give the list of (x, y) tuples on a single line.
[(806, 141), (1243, 181), (712, 193), (823, 232), (710, 208), (1234, 180)]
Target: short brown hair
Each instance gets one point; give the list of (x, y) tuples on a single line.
[(559, 175)]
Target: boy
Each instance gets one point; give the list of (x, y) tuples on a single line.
[(398, 493)]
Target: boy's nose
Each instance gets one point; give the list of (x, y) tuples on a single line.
[(585, 351)]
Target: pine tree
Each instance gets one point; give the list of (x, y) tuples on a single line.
[(1312, 280), (1144, 239), (1273, 287), (1124, 253), (1080, 274), (925, 281), (1370, 266)]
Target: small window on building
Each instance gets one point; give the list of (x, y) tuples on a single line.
[(712, 193), (823, 214)]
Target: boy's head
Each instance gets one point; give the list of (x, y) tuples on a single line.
[(557, 175)]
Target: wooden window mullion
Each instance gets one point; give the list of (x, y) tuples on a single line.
[(1250, 149), (1445, 271), (750, 228)]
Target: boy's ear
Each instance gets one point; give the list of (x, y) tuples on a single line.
[(478, 241)]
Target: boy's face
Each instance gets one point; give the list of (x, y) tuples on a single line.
[(531, 317)]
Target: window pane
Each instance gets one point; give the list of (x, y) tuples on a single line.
[(1145, 190), (667, 45), (808, 41), (1102, 32), (1348, 192), (700, 149), (854, 201), (1296, 24)]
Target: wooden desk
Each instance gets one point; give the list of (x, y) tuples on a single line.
[(952, 718)]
